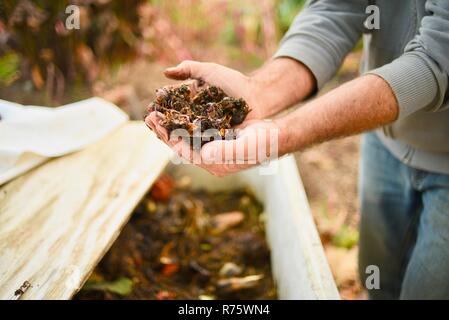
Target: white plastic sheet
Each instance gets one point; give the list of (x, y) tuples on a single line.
[(30, 135)]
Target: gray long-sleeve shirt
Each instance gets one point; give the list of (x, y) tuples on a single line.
[(410, 51)]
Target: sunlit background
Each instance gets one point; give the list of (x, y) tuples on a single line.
[(120, 50)]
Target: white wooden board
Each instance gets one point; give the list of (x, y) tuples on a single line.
[(58, 220)]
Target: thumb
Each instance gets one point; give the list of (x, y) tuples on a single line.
[(236, 151), (251, 147), (218, 152), (185, 70)]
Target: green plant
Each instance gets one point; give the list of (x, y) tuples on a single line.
[(9, 68), (346, 237), (122, 286)]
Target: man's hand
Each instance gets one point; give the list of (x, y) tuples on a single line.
[(279, 84), (255, 143), (233, 83), (362, 104)]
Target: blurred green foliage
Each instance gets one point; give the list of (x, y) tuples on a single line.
[(286, 12), (35, 46), (50, 54), (9, 68), (122, 286), (346, 237)]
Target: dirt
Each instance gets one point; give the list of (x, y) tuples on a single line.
[(197, 111), (184, 244)]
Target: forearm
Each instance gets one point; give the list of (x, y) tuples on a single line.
[(359, 105), (281, 83)]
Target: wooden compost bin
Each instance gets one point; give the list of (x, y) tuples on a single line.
[(58, 220), (299, 265)]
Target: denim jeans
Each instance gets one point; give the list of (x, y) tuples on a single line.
[(404, 227)]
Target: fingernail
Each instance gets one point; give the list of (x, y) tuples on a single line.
[(171, 69)]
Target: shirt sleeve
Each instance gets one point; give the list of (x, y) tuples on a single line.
[(322, 35), (419, 77)]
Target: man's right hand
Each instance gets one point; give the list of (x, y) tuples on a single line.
[(280, 83)]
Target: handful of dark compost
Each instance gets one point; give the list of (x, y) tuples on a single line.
[(209, 108)]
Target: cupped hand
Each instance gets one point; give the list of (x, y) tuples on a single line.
[(234, 84), (256, 142)]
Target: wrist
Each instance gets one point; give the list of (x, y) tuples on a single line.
[(284, 136), (279, 84), (257, 100), (295, 131)]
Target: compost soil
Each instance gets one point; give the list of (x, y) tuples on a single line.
[(206, 108), (184, 244)]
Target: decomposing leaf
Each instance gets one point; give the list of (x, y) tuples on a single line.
[(169, 269), (162, 188), (165, 295), (37, 78), (210, 108), (122, 286), (166, 256), (171, 252), (168, 260), (230, 269), (238, 283), (223, 221), (198, 268)]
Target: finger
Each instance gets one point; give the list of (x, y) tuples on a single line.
[(174, 140), (246, 123), (150, 108), (149, 123), (253, 114), (154, 118), (243, 150), (184, 150), (218, 152), (185, 70), (194, 86)]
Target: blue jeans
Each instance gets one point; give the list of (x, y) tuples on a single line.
[(404, 228)]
